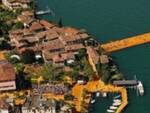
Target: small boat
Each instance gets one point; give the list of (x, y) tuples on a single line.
[(117, 100), (118, 96), (110, 111), (42, 12), (92, 101), (140, 88), (113, 107), (104, 94), (97, 94), (116, 103)]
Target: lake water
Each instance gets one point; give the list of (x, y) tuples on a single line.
[(109, 20)]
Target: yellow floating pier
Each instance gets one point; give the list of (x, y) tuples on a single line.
[(125, 43)]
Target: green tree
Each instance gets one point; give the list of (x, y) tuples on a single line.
[(105, 73), (117, 76), (87, 68), (81, 54), (28, 57), (17, 25), (19, 67), (48, 72)]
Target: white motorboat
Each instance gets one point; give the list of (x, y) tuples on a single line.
[(92, 101), (110, 111), (118, 96), (113, 107), (117, 100), (97, 94), (117, 104), (104, 94), (140, 88), (42, 12)]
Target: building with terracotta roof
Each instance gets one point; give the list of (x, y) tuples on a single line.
[(74, 47), (73, 36), (36, 26), (4, 106), (93, 57), (15, 4), (7, 76), (50, 39), (92, 53), (47, 24), (26, 18), (28, 13)]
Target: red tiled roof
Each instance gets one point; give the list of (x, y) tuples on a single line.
[(58, 58), (28, 13), (67, 56), (74, 47), (36, 26), (54, 44), (47, 24), (71, 31), (51, 34), (7, 72), (24, 19), (93, 54)]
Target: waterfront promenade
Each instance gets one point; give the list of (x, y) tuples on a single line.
[(127, 42)]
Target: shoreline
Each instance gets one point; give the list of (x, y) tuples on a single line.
[(103, 87)]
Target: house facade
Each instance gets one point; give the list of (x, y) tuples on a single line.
[(7, 76)]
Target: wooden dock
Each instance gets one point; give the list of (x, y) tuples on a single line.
[(126, 43)]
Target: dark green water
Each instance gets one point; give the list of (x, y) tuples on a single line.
[(109, 20)]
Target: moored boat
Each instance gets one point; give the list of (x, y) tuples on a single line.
[(140, 88), (113, 107), (97, 94), (118, 96), (110, 111), (116, 103), (117, 100), (92, 101)]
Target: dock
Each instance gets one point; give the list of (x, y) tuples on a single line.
[(126, 43), (125, 82), (94, 86)]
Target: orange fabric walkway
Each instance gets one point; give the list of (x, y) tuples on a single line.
[(93, 86), (2, 57), (125, 43)]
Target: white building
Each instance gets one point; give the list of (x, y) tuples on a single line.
[(37, 105), (15, 4)]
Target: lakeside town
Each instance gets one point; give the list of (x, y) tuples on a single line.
[(46, 67)]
